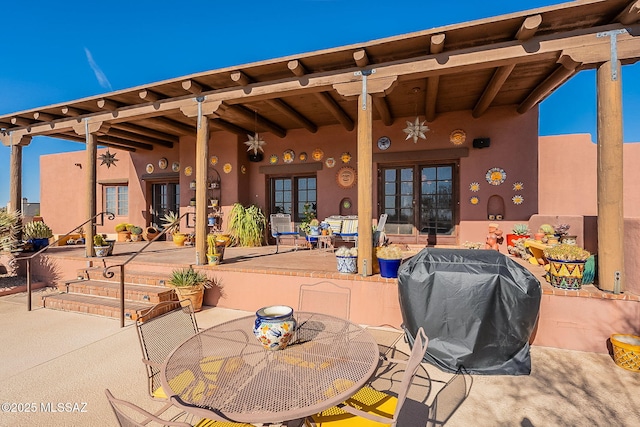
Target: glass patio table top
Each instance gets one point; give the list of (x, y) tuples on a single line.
[(224, 373)]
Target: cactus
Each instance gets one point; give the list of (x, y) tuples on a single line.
[(521, 229), (37, 230), (98, 240)]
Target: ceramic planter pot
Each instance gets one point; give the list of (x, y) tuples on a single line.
[(513, 237), (195, 294), (566, 274), (179, 238), (274, 326), (101, 251), (347, 264), (389, 267)]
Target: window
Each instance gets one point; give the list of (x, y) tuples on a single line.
[(116, 199), (290, 194)]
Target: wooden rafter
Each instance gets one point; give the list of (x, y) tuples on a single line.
[(436, 46), (130, 136), (124, 142), (149, 95), (76, 138), (20, 121), (108, 104), (382, 107), (43, 117), (251, 117), (630, 15), (361, 58), (153, 134), (71, 111), (229, 127)]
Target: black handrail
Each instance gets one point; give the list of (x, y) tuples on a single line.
[(109, 274), (109, 215)]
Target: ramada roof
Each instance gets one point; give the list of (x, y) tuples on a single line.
[(511, 60)]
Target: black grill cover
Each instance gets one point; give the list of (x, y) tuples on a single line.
[(478, 308)]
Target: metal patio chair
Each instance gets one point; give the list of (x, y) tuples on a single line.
[(371, 405), (325, 297), (281, 226), (160, 330)]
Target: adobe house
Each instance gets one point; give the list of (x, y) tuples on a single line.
[(343, 130)]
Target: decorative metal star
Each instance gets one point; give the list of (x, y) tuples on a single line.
[(108, 159), (255, 143), (416, 130)]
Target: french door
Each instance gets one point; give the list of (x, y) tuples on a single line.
[(165, 197), (420, 201), (290, 194)]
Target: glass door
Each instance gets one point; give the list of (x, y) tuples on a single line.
[(165, 197)]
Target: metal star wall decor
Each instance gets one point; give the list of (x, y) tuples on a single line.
[(255, 143), (416, 130), (108, 159)]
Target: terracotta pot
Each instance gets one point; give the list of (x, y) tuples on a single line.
[(512, 237), (123, 236), (195, 294)]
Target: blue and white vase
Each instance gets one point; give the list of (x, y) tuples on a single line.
[(274, 326)]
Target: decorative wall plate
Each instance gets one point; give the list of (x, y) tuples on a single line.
[(496, 176), (243, 169), (288, 156), (188, 171), (317, 154), (458, 137), (474, 200), (149, 168), (175, 166), (346, 177), (345, 157), (474, 186), (384, 142), (273, 159), (517, 199), (518, 186), (302, 157), (330, 162), (214, 160), (227, 167), (163, 163)]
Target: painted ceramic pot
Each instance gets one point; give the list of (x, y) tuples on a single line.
[(347, 264), (274, 326)]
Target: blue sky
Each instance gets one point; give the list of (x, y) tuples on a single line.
[(61, 51)]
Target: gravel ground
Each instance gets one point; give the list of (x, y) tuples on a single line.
[(9, 281)]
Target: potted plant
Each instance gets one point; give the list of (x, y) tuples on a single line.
[(347, 259), (215, 247), (123, 231), (136, 233), (171, 222), (9, 229), (389, 258), (189, 284), (100, 246), (566, 265), (38, 234), (150, 233), (562, 233), (519, 231), (247, 225)]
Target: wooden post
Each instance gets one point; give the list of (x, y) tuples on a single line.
[(202, 156), (365, 184), (92, 151), (610, 180), (15, 177)]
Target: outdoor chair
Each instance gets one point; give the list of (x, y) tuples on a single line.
[(127, 414), (370, 406), (349, 230), (325, 297), (160, 330), (281, 226)]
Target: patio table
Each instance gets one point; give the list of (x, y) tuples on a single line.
[(224, 372)]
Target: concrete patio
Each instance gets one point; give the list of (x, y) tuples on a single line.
[(56, 357)]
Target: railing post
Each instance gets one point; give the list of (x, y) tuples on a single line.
[(122, 295), (28, 284)]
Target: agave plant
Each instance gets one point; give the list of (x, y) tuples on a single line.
[(9, 229), (171, 222), (246, 225), (188, 277), (37, 230)]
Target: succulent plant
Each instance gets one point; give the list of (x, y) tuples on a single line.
[(566, 252), (9, 228), (135, 230), (123, 226), (521, 229), (37, 230), (546, 229), (188, 277), (561, 229), (98, 240)]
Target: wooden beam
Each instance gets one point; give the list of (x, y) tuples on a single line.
[(252, 117), (151, 133), (230, 127), (566, 69), (382, 108), (44, 117), (492, 89), (529, 27), (361, 58), (335, 109), (173, 126), (630, 15), (91, 151), (365, 184), (192, 86), (75, 138), (149, 95), (436, 44), (297, 68), (107, 104), (201, 166), (20, 121), (610, 180), (241, 78), (71, 111), (15, 177), (431, 97), (128, 136), (122, 144)]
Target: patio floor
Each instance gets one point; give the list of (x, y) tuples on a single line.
[(52, 356)]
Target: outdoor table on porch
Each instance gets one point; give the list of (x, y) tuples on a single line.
[(224, 372)]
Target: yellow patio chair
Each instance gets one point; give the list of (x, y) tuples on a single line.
[(370, 407), (128, 415)]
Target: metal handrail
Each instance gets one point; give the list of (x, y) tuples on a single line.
[(109, 274), (109, 215)]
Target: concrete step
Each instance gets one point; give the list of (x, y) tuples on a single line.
[(133, 292), (135, 277), (100, 306)]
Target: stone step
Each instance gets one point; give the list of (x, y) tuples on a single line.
[(99, 306), (134, 277), (133, 292)]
